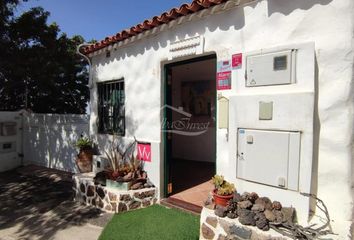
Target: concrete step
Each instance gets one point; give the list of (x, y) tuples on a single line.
[(181, 205)]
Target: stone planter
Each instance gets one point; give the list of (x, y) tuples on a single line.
[(216, 228), (111, 199), (122, 186)]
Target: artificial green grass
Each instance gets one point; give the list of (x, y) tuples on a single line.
[(155, 222)]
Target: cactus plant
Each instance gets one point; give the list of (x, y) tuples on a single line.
[(223, 190)]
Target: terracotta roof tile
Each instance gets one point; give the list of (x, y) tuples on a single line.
[(165, 17)]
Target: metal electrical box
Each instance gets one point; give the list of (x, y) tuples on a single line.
[(8, 128), (223, 110), (269, 157), (270, 69)]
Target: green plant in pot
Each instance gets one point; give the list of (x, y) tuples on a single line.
[(223, 190), (84, 158)]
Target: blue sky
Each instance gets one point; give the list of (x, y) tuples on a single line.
[(98, 19)]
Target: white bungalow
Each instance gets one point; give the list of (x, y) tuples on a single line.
[(258, 91)]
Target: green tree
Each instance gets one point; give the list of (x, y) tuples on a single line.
[(39, 67)]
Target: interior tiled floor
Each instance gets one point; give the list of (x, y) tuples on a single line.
[(191, 180), (195, 195)]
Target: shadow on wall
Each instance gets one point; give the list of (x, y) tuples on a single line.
[(352, 162), (38, 208), (218, 22), (104, 141), (231, 20), (287, 7), (49, 139), (316, 143)]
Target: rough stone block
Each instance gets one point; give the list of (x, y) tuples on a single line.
[(100, 192), (246, 217), (90, 191), (134, 205), (277, 205), (139, 195), (150, 193), (266, 202), (146, 203), (122, 207), (245, 204), (82, 188), (100, 203), (114, 206), (288, 214), (213, 221), (258, 207), (243, 233), (207, 232), (269, 215), (125, 197), (108, 207), (225, 225), (220, 211), (261, 221), (112, 197)]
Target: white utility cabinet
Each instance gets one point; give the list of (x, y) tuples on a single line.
[(270, 69), (8, 128), (269, 157)]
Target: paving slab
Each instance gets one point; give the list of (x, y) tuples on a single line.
[(38, 207)]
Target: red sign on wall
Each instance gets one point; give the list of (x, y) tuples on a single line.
[(223, 75), (223, 80), (237, 61), (144, 152)]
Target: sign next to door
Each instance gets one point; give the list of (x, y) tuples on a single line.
[(144, 152), (237, 61), (223, 75)]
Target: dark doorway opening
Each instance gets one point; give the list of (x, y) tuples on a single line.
[(190, 129)]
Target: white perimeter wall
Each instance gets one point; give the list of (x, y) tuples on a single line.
[(49, 139), (259, 25)]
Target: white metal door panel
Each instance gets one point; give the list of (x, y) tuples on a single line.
[(10, 140), (263, 156)]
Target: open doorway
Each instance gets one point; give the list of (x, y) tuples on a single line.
[(190, 129)]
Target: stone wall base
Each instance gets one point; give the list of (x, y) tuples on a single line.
[(216, 228), (111, 200)]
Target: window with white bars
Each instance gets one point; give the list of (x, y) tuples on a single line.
[(111, 107)]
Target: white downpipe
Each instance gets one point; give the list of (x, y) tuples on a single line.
[(87, 59)]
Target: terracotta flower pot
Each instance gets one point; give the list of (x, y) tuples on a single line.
[(84, 160), (221, 199)]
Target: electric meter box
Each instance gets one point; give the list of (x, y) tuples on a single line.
[(7, 128), (269, 157), (270, 69), (223, 110)]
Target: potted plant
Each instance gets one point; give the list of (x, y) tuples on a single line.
[(223, 190), (125, 171), (121, 172), (84, 158)]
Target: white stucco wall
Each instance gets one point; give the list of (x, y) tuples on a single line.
[(267, 24), (49, 139)]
